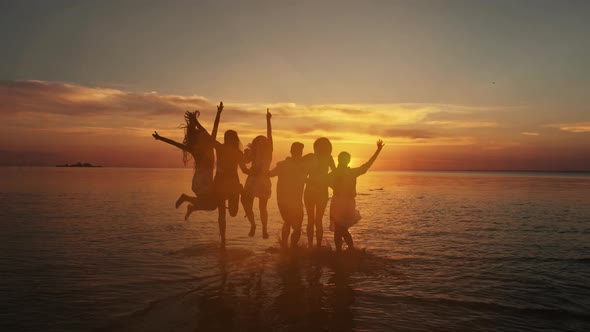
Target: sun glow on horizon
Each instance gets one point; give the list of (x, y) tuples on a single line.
[(68, 118)]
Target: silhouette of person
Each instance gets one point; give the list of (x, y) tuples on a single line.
[(343, 212), (198, 145), (292, 173), (316, 194), (259, 153), (226, 183)]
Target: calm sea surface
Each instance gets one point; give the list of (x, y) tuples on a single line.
[(104, 248)]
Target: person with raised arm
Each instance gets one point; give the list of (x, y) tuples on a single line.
[(198, 145), (226, 184), (343, 212), (259, 153)]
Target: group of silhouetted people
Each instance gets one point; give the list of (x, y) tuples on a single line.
[(302, 180)]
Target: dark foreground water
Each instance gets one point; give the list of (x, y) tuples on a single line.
[(87, 249)]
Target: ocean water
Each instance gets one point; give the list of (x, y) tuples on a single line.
[(105, 249)]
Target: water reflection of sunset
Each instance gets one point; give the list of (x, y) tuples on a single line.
[(473, 216)]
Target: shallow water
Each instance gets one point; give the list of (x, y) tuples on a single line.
[(103, 248)]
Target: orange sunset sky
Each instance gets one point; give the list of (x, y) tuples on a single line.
[(457, 85)]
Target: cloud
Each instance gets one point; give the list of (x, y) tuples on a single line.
[(408, 133), (61, 112), (579, 127), (74, 100), (51, 122), (462, 124)]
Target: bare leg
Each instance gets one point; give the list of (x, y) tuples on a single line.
[(233, 204), (191, 199), (338, 238), (202, 203), (310, 224), (247, 203), (262, 202), (180, 200), (189, 209), (295, 235), (221, 220), (348, 238), (285, 234), (296, 225), (321, 208)]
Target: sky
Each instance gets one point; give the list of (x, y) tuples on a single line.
[(448, 85)]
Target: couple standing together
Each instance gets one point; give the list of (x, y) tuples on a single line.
[(295, 173)]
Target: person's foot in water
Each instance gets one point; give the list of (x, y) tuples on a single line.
[(180, 200), (252, 230), (189, 209), (264, 232)]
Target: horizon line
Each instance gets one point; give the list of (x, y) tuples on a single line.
[(375, 170)]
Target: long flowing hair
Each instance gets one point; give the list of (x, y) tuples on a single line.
[(258, 151), (191, 136), (231, 138)]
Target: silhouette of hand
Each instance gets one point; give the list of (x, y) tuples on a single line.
[(380, 144), (268, 115), (155, 135), (220, 107)]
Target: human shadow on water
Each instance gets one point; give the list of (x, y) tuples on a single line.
[(297, 305), (324, 281), (341, 300), (296, 291), (306, 303), (215, 311), (317, 287)]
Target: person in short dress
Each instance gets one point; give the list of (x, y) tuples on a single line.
[(343, 212)]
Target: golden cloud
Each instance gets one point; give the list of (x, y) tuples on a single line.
[(63, 107), (580, 127)]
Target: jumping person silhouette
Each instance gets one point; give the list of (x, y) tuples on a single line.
[(292, 173), (227, 184), (198, 145), (259, 153), (343, 212), (316, 191)]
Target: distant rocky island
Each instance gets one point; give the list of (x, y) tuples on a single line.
[(78, 164)]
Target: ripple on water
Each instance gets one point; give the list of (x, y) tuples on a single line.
[(445, 251)]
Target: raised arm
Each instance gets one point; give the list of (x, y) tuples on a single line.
[(269, 128), (363, 169), (194, 126), (216, 123), (169, 141)]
